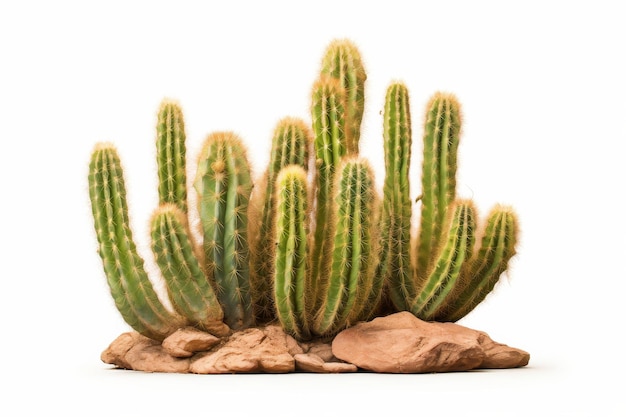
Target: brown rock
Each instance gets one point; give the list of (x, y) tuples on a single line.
[(185, 342), (310, 362), (251, 350), (402, 343), (137, 352)]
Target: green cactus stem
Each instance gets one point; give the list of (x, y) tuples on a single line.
[(352, 259), (223, 185), (291, 145), (191, 294), (291, 281), (395, 256), (342, 61), (132, 291), (441, 140), (328, 115), (171, 155), (485, 268), (445, 276)]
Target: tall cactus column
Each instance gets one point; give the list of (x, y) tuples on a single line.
[(223, 185), (131, 289), (291, 145)]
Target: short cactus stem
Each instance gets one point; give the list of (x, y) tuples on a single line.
[(485, 268), (191, 294), (395, 256), (291, 280), (446, 273), (223, 185), (291, 145), (328, 115), (171, 154), (132, 291), (352, 257), (441, 140), (342, 61)]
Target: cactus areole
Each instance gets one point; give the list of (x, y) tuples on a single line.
[(311, 245)]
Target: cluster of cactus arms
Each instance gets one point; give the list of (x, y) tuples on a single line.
[(313, 246)]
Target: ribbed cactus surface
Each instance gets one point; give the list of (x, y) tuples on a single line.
[(291, 145), (131, 289), (190, 292), (223, 185)]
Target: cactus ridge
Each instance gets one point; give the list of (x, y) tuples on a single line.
[(395, 256), (291, 144), (328, 115), (171, 155), (291, 281), (496, 250), (342, 61), (191, 294), (352, 259), (132, 291), (223, 185), (445, 276), (441, 141)]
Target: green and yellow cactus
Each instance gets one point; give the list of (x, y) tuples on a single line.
[(312, 246)]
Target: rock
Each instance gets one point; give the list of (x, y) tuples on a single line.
[(134, 351), (310, 362), (402, 343), (185, 342), (249, 351)]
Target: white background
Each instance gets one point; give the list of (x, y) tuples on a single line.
[(542, 87)]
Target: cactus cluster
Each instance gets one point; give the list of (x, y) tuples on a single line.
[(311, 244)]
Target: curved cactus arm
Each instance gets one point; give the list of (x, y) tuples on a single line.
[(191, 294), (171, 155), (395, 255), (441, 141), (291, 145), (435, 291), (342, 61), (131, 289), (486, 267), (290, 273), (223, 185), (328, 115), (352, 261)]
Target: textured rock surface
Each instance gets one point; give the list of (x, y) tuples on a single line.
[(134, 351), (252, 350), (184, 343), (399, 343), (402, 343)]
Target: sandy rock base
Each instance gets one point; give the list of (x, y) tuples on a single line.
[(399, 343)]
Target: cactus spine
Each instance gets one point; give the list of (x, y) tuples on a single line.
[(171, 155), (223, 185), (291, 144), (291, 279), (342, 61), (131, 289), (352, 252), (395, 255), (191, 294)]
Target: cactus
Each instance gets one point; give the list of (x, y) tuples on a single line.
[(395, 256), (291, 143), (448, 280), (223, 185), (171, 155), (352, 262), (342, 61), (132, 291), (291, 279), (328, 114), (191, 294)]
